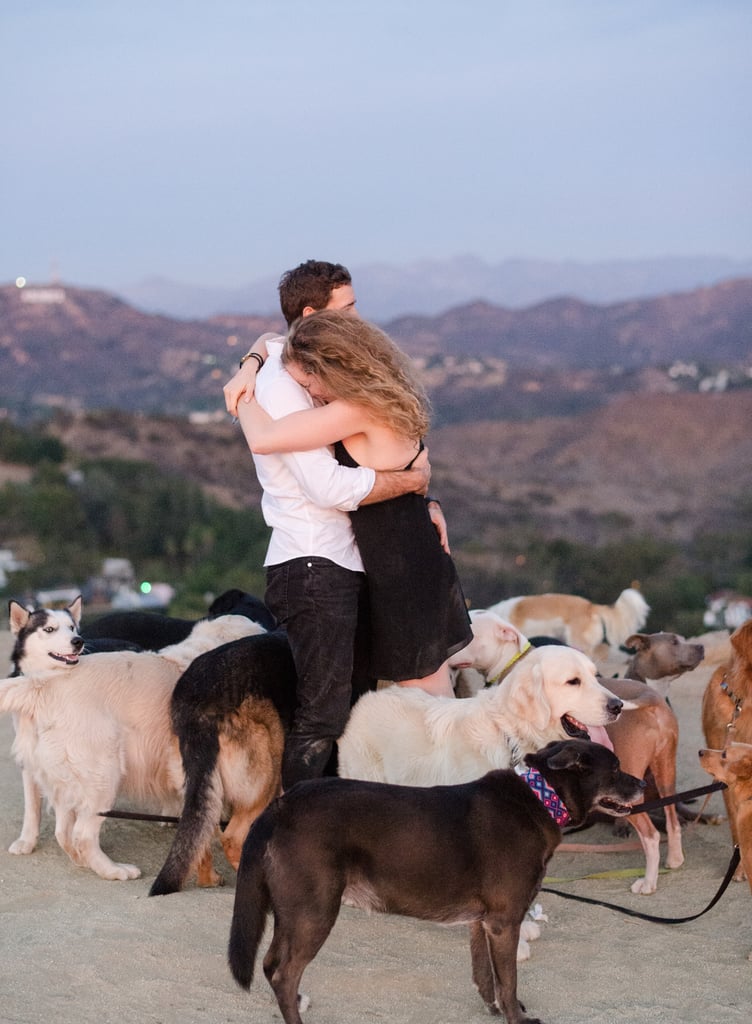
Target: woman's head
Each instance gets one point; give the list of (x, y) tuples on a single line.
[(354, 360)]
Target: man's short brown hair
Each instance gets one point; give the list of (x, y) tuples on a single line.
[(310, 284)]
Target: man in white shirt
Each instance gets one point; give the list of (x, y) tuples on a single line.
[(315, 578)]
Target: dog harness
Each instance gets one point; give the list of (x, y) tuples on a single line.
[(547, 796)]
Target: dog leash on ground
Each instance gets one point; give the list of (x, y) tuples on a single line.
[(650, 806), (733, 864)]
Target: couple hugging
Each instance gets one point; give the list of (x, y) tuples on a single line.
[(358, 568)]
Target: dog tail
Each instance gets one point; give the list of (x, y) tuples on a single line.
[(251, 900), (202, 808), (626, 615)]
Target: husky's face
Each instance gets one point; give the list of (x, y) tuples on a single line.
[(45, 638)]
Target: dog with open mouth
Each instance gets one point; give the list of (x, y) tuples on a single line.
[(44, 638), (370, 843), (408, 737)]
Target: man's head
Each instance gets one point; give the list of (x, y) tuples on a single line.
[(315, 285)]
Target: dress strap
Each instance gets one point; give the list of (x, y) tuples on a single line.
[(412, 460)]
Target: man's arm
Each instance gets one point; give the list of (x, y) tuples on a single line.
[(393, 483)]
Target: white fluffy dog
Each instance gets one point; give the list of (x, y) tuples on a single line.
[(405, 736), (101, 727)]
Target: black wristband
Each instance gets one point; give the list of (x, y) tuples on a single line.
[(429, 499), (253, 355)]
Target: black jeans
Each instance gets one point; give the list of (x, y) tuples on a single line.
[(318, 603)]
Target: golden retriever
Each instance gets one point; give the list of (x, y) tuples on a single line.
[(101, 728), (575, 620), (406, 736)]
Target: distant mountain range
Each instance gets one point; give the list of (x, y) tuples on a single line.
[(429, 287), (63, 347)]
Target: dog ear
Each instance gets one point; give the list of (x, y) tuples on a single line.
[(505, 633), (527, 696), (18, 616), (637, 642), (567, 757), (74, 609), (741, 640)]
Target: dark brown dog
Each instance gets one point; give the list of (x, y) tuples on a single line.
[(371, 843), (727, 714)]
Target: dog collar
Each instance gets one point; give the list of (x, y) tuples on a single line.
[(547, 796), (507, 667)]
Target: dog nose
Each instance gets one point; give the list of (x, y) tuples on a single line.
[(77, 643), (615, 706)]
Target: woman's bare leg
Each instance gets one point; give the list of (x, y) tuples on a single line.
[(438, 684)]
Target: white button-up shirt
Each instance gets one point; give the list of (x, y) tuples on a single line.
[(307, 495)]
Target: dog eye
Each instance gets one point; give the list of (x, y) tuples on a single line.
[(573, 682), (49, 629)]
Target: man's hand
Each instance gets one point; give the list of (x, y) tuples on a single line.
[(392, 483)]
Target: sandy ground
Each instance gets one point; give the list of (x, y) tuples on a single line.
[(79, 950)]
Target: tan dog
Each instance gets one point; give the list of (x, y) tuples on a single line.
[(101, 727), (727, 713), (659, 658), (734, 767), (575, 620), (644, 738)]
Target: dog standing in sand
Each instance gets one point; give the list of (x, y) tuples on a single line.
[(371, 844), (95, 728), (575, 620), (727, 718), (645, 737), (408, 737)]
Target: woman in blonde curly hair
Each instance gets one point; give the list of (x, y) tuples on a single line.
[(370, 406)]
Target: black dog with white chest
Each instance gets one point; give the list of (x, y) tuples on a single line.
[(373, 843)]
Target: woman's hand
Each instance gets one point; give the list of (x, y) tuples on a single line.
[(242, 385), (438, 520)]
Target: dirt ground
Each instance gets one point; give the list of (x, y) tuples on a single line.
[(79, 950)]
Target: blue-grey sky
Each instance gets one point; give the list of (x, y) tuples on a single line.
[(221, 142)]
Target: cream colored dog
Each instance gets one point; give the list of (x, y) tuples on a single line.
[(101, 728), (575, 620), (405, 736)]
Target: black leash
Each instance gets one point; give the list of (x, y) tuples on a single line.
[(664, 801), (688, 794), (650, 917), (138, 816)]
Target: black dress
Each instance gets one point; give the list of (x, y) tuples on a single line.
[(418, 612)]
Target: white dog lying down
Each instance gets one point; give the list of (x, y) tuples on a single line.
[(101, 728), (405, 736)]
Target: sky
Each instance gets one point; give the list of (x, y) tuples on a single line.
[(219, 143)]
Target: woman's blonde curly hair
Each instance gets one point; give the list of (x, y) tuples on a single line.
[(354, 360)]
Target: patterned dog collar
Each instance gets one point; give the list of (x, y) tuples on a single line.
[(547, 796)]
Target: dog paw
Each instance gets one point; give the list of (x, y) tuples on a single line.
[(523, 950), (642, 887), (529, 931), (120, 872), (21, 846)]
